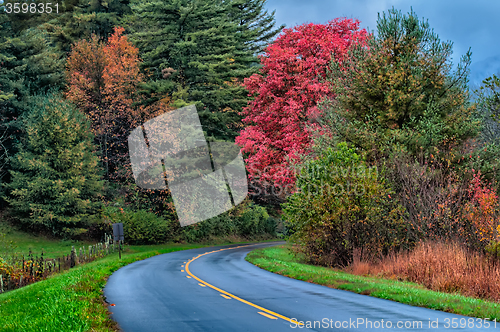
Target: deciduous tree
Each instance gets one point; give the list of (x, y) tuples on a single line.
[(287, 92), (103, 79)]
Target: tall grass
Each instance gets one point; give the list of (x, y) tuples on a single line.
[(446, 267)]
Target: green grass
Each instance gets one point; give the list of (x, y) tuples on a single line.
[(280, 260), (71, 301), (51, 248)]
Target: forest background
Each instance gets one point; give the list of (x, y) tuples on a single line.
[(356, 144)]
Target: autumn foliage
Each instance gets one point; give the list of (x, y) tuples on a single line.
[(287, 92), (102, 81), (343, 205), (397, 104), (482, 210)]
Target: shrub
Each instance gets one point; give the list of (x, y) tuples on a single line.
[(255, 220), (5, 268), (443, 205), (97, 228), (431, 195), (141, 227), (247, 220), (350, 208), (493, 249), (218, 226), (482, 211)]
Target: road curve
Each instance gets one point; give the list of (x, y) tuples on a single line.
[(215, 289)]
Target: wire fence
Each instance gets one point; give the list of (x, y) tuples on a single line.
[(21, 270)]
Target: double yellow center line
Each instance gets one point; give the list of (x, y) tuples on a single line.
[(266, 312)]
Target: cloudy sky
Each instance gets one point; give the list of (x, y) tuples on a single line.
[(467, 23)]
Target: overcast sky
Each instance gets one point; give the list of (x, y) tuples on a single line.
[(467, 23)]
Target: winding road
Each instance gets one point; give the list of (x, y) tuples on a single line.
[(215, 289)]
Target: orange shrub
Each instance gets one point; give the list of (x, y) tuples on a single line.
[(482, 210)]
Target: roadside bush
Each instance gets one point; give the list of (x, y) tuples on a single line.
[(493, 249), (97, 228), (247, 220), (5, 268), (140, 227), (443, 205), (255, 220), (482, 211), (341, 205), (218, 226), (432, 197)]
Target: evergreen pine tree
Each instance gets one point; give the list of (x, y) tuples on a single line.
[(402, 91), (55, 182), (200, 51), (80, 19), (30, 64)]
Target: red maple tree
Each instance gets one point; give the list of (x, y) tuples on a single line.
[(287, 92)]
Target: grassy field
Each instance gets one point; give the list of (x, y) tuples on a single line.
[(51, 248), (280, 260)]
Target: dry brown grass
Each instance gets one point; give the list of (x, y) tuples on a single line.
[(446, 267)]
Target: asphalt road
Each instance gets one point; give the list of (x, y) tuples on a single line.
[(215, 289)]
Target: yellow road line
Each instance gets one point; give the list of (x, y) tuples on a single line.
[(225, 296), (229, 294), (188, 276), (267, 315), (202, 285)]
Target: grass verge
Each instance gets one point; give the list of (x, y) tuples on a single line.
[(72, 301), (24, 242), (280, 260)]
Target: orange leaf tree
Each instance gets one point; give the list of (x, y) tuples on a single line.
[(102, 80)]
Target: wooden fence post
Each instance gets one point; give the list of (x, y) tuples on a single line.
[(1, 283), (73, 257)]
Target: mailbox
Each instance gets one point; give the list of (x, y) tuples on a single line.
[(118, 232)]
